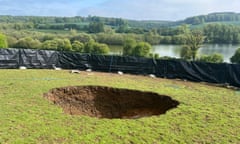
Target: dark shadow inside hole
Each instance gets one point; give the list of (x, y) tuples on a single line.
[(107, 102)]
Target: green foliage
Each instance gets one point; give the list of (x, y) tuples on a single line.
[(63, 44), (122, 28), (82, 37), (220, 33), (166, 40), (96, 27), (179, 39), (185, 53), (58, 44), (142, 49), (214, 58), (133, 48), (11, 41), (50, 45), (193, 43), (236, 57), (129, 46), (95, 48), (152, 38), (213, 17), (100, 49), (110, 39), (88, 48), (3, 41), (28, 43), (77, 46)]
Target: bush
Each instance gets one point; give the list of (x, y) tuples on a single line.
[(28, 43), (128, 47), (77, 46), (58, 44), (186, 53), (95, 48), (236, 57), (132, 48), (3, 41), (214, 58), (142, 49)]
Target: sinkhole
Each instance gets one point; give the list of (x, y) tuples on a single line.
[(107, 102)]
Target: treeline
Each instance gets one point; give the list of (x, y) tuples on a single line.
[(219, 33), (83, 43), (147, 24), (51, 20), (213, 17), (213, 33)]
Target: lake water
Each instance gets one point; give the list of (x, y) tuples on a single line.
[(227, 50)]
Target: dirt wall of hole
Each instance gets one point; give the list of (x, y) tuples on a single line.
[(107, 102)]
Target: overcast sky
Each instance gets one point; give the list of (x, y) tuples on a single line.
[(130, 9)]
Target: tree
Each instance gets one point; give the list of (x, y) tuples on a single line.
[(11, 41), (95, 48), (142, 49), (82, 37), (214, 58), (193, 43), (58, 44), (28, 42), (88, 48), (185, 53), (129, 46), (50, 45), (77, 46), (100, 49), (96, 27), (152, 38), (236, 57), (63, 44), (3, 41)]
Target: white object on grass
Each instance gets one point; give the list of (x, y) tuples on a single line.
[(22, 67), (152, 76), (120, 73), (56, 68), (75, 71), (88, 70)]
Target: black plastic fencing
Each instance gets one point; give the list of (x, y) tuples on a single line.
[(193, 71)]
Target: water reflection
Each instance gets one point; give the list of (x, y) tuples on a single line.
[(227, 50)]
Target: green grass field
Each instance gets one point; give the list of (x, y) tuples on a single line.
[(206, 114)]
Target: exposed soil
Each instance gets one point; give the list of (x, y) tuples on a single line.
[(106, 102)]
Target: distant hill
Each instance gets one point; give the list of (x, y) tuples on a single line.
[(212, 17), (79, 22)]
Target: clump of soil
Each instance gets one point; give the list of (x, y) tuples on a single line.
[(106, 102)]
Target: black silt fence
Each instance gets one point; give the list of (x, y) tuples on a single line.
[(193, 71)]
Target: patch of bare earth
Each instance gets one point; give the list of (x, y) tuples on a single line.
[(106, 102)]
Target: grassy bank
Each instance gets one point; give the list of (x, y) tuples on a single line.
[(206, 114)]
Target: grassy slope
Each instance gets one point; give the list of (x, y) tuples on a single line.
[(206, 115)]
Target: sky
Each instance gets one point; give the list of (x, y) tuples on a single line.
[(130, 9)]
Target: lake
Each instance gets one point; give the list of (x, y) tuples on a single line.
[(227, 50)]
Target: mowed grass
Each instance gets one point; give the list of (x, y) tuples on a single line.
[(206, 114)]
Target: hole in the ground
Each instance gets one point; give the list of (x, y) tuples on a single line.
[(106, 102)]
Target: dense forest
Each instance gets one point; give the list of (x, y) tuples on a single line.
[(94, 34), (213, 17)]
